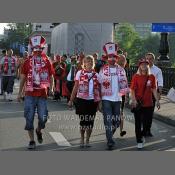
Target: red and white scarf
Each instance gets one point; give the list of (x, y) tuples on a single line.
[(38, 70), (6, 65), (83, 91), (106, 88)]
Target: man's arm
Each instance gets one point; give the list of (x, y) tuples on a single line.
[(156, 97), (160, 81), (1, 65), (22, 82), (52, 84)]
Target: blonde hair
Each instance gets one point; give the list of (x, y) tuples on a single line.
[(153, 56), (91, 58), (139, 72)]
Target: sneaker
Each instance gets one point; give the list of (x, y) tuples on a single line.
[(32, 145), (123, 133), (10, 97), (39, 136), (140, 145)]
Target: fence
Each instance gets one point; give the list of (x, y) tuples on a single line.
[(168, 77)]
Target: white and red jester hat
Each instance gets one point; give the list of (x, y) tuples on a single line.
[(37, 43), (110, 49)]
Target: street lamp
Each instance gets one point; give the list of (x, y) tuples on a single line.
[(114, 27), (163, 59)]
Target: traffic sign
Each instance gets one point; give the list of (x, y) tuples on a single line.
[(163, 27)]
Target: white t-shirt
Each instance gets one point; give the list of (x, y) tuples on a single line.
[(91, 85), (69, 75), (115, 89), (157, 72)]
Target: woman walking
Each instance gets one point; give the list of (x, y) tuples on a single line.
[(143, 84), (86, 89)]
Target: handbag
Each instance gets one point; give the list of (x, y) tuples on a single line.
[(138, 107), (140, 101), (171, 95)]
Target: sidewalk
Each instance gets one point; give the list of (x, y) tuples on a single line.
[(166, 112)]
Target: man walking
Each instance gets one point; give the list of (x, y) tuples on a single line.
[(37, 76), (159, 79), (4, 53), (8, 67)]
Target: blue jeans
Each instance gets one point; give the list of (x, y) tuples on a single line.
[(30, 106), (111, 114)]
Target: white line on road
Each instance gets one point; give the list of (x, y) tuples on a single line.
[(59, 139), (163, 131), (146, 144), (2, 112), (173, 149), (172, 136)]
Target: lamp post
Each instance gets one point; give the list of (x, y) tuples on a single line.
[(163, 60), (114, 34)]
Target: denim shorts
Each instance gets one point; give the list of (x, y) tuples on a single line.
[(33, 105)]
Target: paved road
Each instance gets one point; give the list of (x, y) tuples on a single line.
[(62, 132)]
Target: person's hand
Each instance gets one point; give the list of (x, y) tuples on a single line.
[(159, 96), (99, 107), (70, 104), (158, 105), (19, 97), (52, 92), (134, 103)]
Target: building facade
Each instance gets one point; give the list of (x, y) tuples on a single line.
[(73, 38)]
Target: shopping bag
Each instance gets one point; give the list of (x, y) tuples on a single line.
[(171, 95)]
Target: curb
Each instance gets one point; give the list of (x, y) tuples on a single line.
[(164, 119)]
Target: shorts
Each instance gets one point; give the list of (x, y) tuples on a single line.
[(31, 104)]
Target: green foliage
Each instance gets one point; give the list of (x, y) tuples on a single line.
[(136, 47), (18, 32), (152, 43)]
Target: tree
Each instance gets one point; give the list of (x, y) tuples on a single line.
[(129, 41), (125, 35), (151, 44), (136, 47), (18, 34), (136, 50), (172, 48)]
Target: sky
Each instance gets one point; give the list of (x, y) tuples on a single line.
[(2, 25)]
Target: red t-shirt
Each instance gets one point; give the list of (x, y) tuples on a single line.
[(138, 84), (36, 92)]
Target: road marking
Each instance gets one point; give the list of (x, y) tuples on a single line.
[(59, 139), (173, 149), (145, 145), (10, 102), (163, 131), (172, 136), (2, 112)]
